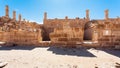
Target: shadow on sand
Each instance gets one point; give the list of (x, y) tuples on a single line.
[(71, 51), (112, 52), (17, 47)]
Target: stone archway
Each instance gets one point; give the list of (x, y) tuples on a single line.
[(89, 30)]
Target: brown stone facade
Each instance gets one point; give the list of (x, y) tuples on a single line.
[(19, 32), (67, 36), (67, 31), (110, 35), (20, 37), (50, 24), (104, 32)]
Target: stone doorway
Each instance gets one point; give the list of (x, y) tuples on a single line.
[(88, 34), (89, 30)]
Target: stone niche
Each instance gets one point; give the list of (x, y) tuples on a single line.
[(69, 36)]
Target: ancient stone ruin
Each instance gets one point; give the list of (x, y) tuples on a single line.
[(67, 35), (66, 32), (14, 32)]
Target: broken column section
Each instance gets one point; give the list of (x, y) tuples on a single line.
[(87, 15), (19, 18), (7, 11), (106, 14), (14, 15)]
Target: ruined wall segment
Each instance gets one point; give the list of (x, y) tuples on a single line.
[(66, 31), (19, 32), (67, 36), (50, 24), (110, 36), (21, 37)]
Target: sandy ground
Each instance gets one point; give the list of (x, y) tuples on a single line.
[(53, 57)]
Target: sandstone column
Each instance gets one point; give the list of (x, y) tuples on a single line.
[(14, 15), (19, 17), (45, 15), (87, 14), (28, 21), (7, 11), (66, 24), (45, 19), (106, 14), (24, 20), (66, 17)]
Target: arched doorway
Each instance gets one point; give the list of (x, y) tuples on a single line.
[(90, 30)]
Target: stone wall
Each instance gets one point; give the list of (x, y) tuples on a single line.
[(21, 37), (106, 33), (110, 36), (67, 36), (50, 24), (112, 39)]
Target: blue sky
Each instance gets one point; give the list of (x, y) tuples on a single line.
[(33, 10)]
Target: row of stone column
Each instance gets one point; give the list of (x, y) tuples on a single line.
[(14, 13), (45, 14), (87, 15), (106, 14)]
